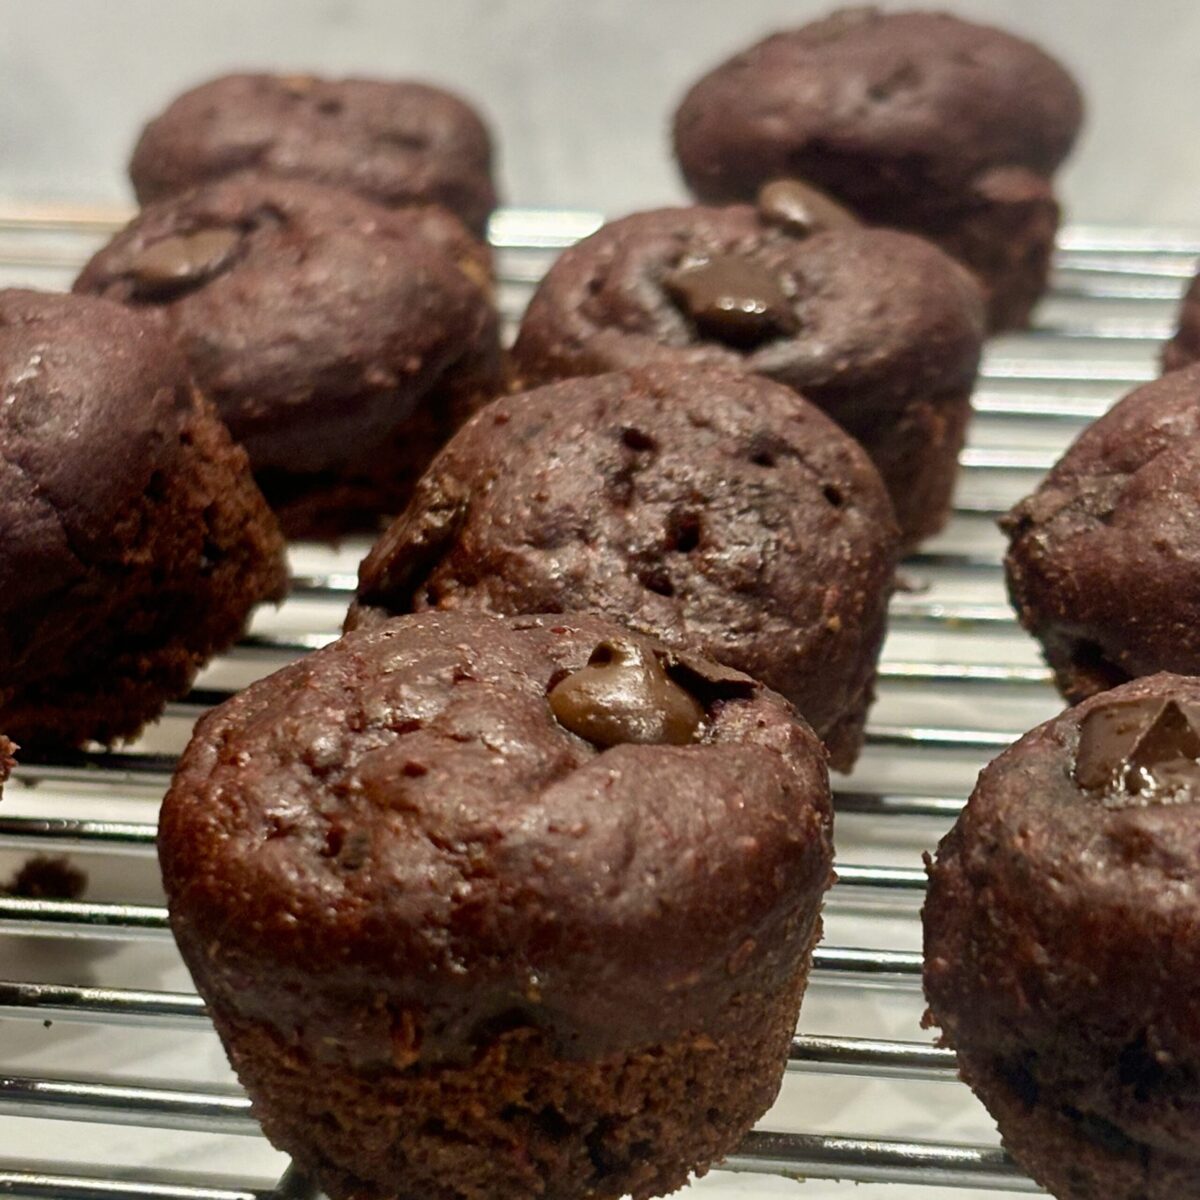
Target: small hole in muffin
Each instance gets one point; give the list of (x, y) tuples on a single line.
[(333, 843), (834, 495), (656, 581), (683, 534), (763, 458), (430, 596), (602, 655), (156, 488), (636, 439), (552, 1123)]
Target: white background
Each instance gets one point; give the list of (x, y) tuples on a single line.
[(579, 93)]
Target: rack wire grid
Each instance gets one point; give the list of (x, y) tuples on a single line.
[(112, 1083)]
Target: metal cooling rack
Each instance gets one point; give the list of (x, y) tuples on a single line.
[(959, 682)]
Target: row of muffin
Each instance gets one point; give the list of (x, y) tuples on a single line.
[(1070, 873), (343, 342), (416, 835)]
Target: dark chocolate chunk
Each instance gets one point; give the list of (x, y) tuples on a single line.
[(705, 678), (732, 299), (1165, 758), (624, 695), (802, 210), (183, 261), (1142, 747)]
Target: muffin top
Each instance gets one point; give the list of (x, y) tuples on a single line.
[(708, 509), (315, 320), (1104, 558), (1062, 930), (869, 105), (798, 293), (533, 820), (397, 143), (95, 400)]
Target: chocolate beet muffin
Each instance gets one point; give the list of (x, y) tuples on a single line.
[(1184, 347), (135, 542), (1104, 558), (489, 908), (878, 328), (917, 120), (1062, 945), (342, 342), (396, 143), (709, 509)]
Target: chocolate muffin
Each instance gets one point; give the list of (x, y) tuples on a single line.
[(708, 509), (487, 908), (1104, 558), (916, 120), (342, 342), (878, 328), (135, 542), (397, 143), (1062, 945), (1184, 348)]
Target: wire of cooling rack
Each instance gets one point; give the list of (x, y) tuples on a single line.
[(1096, 337)]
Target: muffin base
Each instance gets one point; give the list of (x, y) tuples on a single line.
[(1006, 238), (521, 1121), (328, 506), (916, 454), (195, 554), (1059, 1153)]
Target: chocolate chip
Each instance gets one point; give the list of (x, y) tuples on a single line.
[(1141, 747), (732, 299), (177, 263), (624, 695), (801, 210)]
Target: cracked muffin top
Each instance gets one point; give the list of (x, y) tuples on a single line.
[(482, 817)]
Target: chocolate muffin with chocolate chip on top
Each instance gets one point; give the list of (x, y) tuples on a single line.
[(1062, 944), (395, 142), (915, 120), (342, 342), (1103, 561), (486, 907), (706, 508), (135, 543), (879, 329)]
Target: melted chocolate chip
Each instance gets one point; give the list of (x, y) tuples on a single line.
[(732, 299), (181, 262), (801, 210), (625, 695), (1144, 747)]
